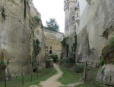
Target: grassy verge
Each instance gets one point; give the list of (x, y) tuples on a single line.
[(91, 79), (43, 75), (69, 77), (36, 78)]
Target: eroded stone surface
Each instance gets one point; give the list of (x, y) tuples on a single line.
[(106, 74)]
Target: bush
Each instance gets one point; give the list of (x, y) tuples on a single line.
[(79, 68), (63, 61), (2, 63), (36, 19), (67, 61), (101, 62), (48, 63), (112, 42), (54, 57)]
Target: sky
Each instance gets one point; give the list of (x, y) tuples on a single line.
[(54, 9)]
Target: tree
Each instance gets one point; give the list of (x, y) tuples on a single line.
[(52, 25)]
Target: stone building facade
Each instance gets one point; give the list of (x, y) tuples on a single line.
[(53, 42)]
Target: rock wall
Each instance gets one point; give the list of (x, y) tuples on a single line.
[(38, 33), (72, 11), (97, 17), (16, 35), (94, 33)]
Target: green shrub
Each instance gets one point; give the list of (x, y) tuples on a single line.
[(33, 22), (2, 63), (101, 62), (63, 61), (54, 57), (36, 18), (64, 41), (67, 61), (79, 68), (48, 63), (112, 42)]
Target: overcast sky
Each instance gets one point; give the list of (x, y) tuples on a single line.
[(54, 9)]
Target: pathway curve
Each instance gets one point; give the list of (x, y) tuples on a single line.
[(53, 81)]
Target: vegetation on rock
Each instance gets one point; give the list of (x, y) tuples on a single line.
[(36, 50), (112, 42), (33, 22), (64, 41), (107, 53)]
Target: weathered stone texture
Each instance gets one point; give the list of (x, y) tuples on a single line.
[(106, 74), (15, 36), (53, 42), (96, 19), (96, 25)]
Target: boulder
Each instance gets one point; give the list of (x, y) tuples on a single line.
[(105, 74)]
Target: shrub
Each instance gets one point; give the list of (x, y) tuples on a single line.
[(48, 63), (33, 22), (64, 41), (36, 18), (2, 63), (101, 62), (79, 68), (54, 57), (112, 42), (67, 62)]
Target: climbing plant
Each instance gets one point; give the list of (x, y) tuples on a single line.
[(36, 47), (64, 41), (112, 42), (3, 14), (75, 43), (36, 50), (101, 62)]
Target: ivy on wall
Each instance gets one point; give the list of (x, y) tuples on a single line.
[(75, 43), (64, 41), (36, 47), (36, 50), (3, 14)]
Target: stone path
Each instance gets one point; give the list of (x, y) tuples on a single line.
[(53, 81)]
